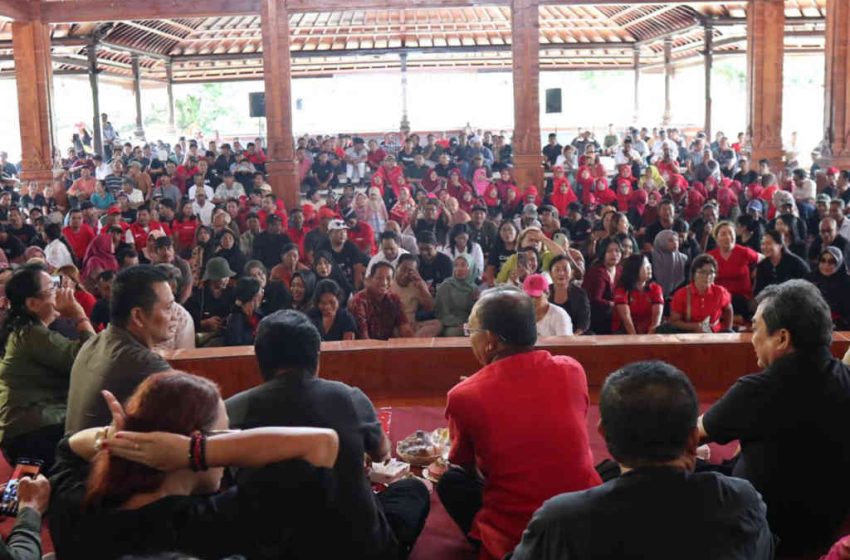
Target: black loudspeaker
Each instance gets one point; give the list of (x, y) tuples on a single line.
[(553, 100), (257, 101)]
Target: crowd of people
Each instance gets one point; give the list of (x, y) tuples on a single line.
[(165, 247)]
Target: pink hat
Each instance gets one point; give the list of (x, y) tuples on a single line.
[(535, 285)]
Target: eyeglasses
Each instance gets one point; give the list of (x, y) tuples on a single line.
[(467, 331), (828, 260)]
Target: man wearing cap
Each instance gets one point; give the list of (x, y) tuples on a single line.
[(319, 234), (355, 161), (269, 243), (360, 233), (528, 217), (346, 255), (211, 301)]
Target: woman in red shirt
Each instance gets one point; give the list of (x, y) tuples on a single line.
[(735, 264), (638, 302), (599, 284), (70, 275), (702, 306)]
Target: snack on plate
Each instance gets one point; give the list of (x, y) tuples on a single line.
[(436, 470), (418, 449), (387, 473), (440, 437)]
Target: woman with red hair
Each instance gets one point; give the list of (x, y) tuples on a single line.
[(132, 488)]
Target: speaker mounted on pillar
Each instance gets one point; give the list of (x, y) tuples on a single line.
[(553, 100)]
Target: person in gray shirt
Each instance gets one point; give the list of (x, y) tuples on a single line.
[(119, 358), (658, 507)]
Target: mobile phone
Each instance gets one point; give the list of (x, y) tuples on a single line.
[(522, 260), (9, 501), (57, 281), (560, 238)]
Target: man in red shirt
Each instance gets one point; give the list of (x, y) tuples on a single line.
[(520, 421), (296, 231), (78, 234), (141, 228), (360, 233), (271, 206)]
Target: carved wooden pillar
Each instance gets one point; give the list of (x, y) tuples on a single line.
[(277, 63), (169, 87), (137, 93), (835, 149), (34, 77), (525, 48), (765, 52)]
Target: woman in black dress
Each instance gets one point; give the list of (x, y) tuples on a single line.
[(333, 321)]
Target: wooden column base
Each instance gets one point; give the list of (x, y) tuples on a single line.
[(284, 182), (41, 176), (528, 170)]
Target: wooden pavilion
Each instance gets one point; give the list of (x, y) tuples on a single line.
[(274, 40)]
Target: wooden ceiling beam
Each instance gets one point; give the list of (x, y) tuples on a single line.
[(70, 11), (15, 9)]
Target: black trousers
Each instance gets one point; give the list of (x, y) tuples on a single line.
[(406, 505), (39, 444), (462, 494)]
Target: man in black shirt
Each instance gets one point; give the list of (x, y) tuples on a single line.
[(828, 237), (444, 166), (359, 524), (11, 245), (350, 259), (18, 228), (434, 267), (745, 175), (267, 244), (481, 230), (324, 172), (210, 303), (791, 420), (552, 150), (658, 508)]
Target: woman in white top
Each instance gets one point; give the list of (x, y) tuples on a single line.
[(551, 319), (459, 243), (56, 252)]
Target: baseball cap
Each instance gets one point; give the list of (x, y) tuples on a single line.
[(336, 224), (823, 197), (535, 285), (325, 212), (113, 210), (755, 205), (832, 171)]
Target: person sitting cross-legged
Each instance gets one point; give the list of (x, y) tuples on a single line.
[(659, 507), (359, 523), (518, 426)]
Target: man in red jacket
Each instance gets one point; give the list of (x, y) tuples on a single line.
[(521, 421)]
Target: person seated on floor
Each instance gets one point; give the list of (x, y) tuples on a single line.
[(358, 523), (659, 507), (119, 358), (24, 540), (779, 263), (416, 298), (329, 315), (831, 278), (241, 324), (377, 311), (507, 466), (701, 306), (791, 420), (552, 320), (456, 296), (109, 481), (638, 301), (36, 364), (211, 301)]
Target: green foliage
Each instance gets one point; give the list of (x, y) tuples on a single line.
[(202, 110)]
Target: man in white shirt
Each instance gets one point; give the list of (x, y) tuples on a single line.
[(836, 212), (229, 188), (626, 154), (202, 207), (658, 146), (355, 161), (102, 170), (390, 250), (134, 196), (198, 178), (804, 188)]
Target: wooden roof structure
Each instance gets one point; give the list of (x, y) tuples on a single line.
[(572, 37)]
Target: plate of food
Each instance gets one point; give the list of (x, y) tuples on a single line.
[(419, 449)]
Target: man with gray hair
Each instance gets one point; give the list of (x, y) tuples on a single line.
[(791, 420)]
